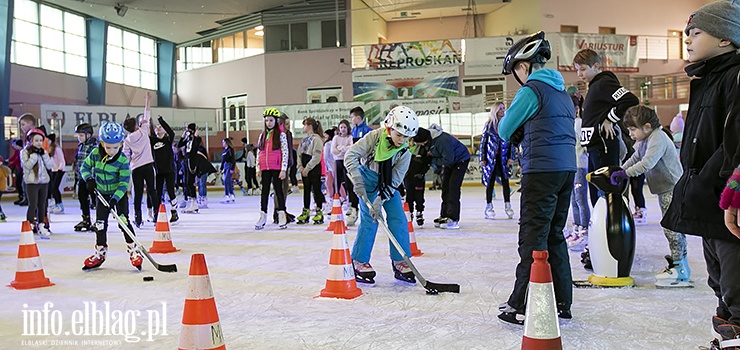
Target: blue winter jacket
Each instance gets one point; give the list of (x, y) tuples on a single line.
[(445, 149), (360, 130)]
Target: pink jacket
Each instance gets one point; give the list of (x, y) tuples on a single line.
[(136, 146), (340, 145), (273, 159), (58, 159)]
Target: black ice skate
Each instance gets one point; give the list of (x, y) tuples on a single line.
[(173, 216), (84, 225), (402, 272), (586, 260), (364, 272), (419, 218)]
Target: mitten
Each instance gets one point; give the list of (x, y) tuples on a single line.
[(731, 194), (618, 176)]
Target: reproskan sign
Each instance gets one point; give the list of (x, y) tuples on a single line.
[(416, 54), (618, 52)]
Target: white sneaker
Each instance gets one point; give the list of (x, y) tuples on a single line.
[(489, 213)]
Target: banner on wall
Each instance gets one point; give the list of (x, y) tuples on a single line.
[(427, 110), (467, 104), (618, 52), (328, 114), (417, 54), (67, 117), (485, 56), (405, 84)]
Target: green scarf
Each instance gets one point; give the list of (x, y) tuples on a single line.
[(385, 149)]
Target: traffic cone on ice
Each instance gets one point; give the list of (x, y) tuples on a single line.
[(541, 328), (341, 280), (201, 328), (162, 241), (29, 273), (337, 218), (412, 237)]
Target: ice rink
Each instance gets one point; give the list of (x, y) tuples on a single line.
[(265, 283)]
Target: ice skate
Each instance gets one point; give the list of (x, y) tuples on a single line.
[(134, 255), (173, 216), (578, 238), (586, 260), (508, 210), (3, 218), (191, 208), (676, 275), (150, 214), (450, 225), (58, 209), (138, 222), (303, 218), (225, 200), (318, 219), (640, 216), (440, 221), (282, 220), (419, 218), (43, 231), (261, 222), (364, 272), (402, 272), (351, 217), (509, 315), (489, 213), (729, 337), (202, 202), (84, 225), (97, 259), (244, 192)]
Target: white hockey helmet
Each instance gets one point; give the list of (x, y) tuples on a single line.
[(403, 120)]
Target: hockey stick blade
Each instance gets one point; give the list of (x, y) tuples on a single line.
[(431, 287), (163, 268)]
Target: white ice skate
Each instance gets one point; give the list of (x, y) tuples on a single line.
[(508, 210), (640, 216), (261, 222), (351, 217), (282, 220), (676, 275), (489, 213)]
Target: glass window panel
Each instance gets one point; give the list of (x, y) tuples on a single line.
[(131, 76), (115, 36), (52, 60), (130, 41), (26, 32), (51, 17), (76, 65), (148, 63), (74, 24), (147, 46), (27, 55), (75, 44), (115, 55), (193, 54), (276, 38), (148, 80), (26, 10), (299, 36), (114, 73), (131, 59), (52, 39)]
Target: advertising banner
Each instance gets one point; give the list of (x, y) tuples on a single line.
[(415, 54), (485, 56), (405, 84), (618, 52), (328, 114)]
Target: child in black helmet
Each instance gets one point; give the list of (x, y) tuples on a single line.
[(541, 118), (86, 144)]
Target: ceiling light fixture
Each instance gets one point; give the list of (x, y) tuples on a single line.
[(121, 9), (259, 27), (259, 33)]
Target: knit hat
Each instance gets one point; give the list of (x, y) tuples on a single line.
[(720, 19), (191, 126), (422, 135)]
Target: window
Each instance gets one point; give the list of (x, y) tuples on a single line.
[(242, 44), (329, 34), (132, 59), (48, 38), (568, 29), (607, 30)]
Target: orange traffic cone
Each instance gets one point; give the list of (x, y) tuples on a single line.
[(201, 328), (412, 237), (162, 241), (337, 218), (541, 328), (341, 280), (29, 273)]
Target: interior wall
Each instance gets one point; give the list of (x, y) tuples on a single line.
[(654, 17), (453, 27), (125, 95), (30, 85), (519, 15), (204, 87), (366, 25)]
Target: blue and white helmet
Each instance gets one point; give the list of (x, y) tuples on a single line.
[(403, 120), (110, 132)]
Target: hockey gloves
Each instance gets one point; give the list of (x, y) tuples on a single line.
[(90, 184), (618, 176), (376, 208), (731, 194)]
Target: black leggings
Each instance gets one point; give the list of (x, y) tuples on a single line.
[(140, 175), (56, 180), (272, 177), (312, 183), (169, 179), (85, 197), (343, 179), (250, 176), (636, 184), (37, 201), (498, 172)]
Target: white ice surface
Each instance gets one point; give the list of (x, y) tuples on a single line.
[(265, 283)]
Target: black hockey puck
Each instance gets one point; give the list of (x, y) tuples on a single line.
[(148, 278)]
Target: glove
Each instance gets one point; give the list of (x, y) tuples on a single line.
[(359, 188), (731, 194), (112, 202), (618, 176), (40, 151), (90, 184), (518, 136), (375, 208)]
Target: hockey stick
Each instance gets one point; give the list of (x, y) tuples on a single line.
[(431, 287), (163, 268)]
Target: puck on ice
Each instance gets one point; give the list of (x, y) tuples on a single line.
[(148, 278)]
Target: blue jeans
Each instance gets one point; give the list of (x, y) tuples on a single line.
[(579, 199), (394, 215), (226, 179), (202, 190)]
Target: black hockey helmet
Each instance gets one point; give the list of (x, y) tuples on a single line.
[(533, 49), (84, 128)]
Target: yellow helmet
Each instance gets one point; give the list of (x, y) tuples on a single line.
[(271, 112)]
